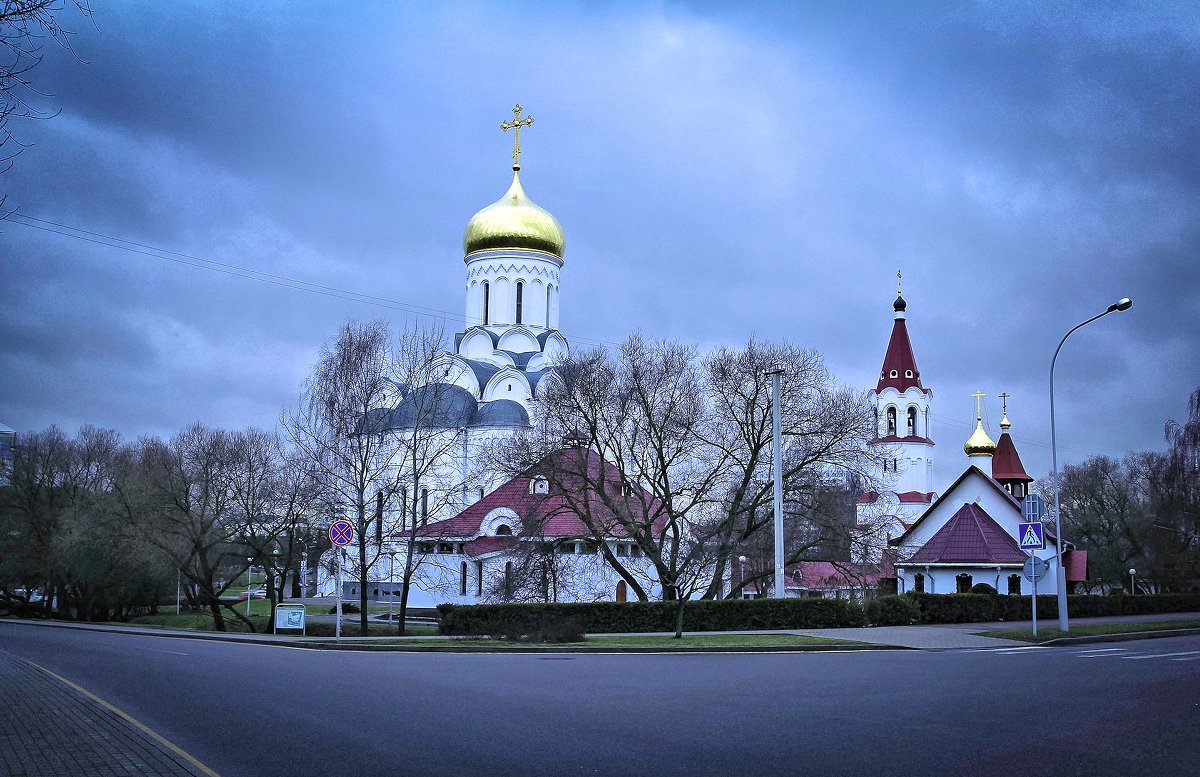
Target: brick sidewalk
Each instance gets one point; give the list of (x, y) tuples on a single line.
[(48, 729)]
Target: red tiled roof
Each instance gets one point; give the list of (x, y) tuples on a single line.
[(553, 510), (905, 497), (1006, 463), (970, 536), (899, 357), (825, 575), (894, 438), (485, 545)]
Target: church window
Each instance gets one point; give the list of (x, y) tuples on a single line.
[(462, 581), (445, 547), (487, 301), (919, 583), (547, 307), (621, 549), (895, 466), (1014, 585), (912, 421), (504, 530), (539, 485), (481, 492), (908, 373), (403, 506), (895, 374), (424, 503), (479, 578), (520, 299), (891, 421), (962, 583)]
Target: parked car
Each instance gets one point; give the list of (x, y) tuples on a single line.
[(253, 593)]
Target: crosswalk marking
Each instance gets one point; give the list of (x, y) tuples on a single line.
[(1193, 658), (1161, 655), (1099, 650)]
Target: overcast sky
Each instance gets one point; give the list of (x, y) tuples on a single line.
[(720, 171)]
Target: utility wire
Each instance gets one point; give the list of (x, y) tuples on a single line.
[(190, 260)]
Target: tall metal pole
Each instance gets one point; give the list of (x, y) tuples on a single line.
[(1060, 574), (337, 630), (178, 583), (777, 466)]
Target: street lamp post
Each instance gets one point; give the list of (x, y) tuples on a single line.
[(777, 468), (391, 584), (1060, 574), (249, 582), (1132, 581)]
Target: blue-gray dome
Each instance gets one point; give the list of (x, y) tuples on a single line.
[(375, 421), (501, 412), (442, 405)]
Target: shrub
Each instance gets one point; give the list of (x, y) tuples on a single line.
[(892, 611), (347, 609), (702, 615), (983, 588)]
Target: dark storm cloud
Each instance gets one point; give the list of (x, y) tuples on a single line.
[(720, 172)]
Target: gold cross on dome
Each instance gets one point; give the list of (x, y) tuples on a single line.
[(515, 125), (979, 395)]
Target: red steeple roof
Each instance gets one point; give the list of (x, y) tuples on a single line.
[(1006, 463), (899, 359), (970, 536)]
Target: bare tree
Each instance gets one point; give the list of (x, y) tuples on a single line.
[(24, 26), (340, 430), (432, 468)]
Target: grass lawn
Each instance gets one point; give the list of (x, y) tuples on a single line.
[(648, 641), (1091, 630)]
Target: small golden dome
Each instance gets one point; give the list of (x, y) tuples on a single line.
[(979, 444), (514, 221), (1005, 424)]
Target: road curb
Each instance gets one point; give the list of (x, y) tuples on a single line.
[(309, 644), (1127, 636)]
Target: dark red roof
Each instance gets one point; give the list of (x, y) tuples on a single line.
[(970, 536), (485, 545), (905, 497), (557, 517), (894, 438), (1006, 462), (899, 357), (816, 575)]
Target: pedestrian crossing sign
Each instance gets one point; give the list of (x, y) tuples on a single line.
[(1031, 536)]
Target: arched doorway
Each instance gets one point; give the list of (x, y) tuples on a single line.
[(622, 591)]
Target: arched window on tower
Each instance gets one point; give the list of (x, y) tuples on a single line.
[(912, 421), (891, 422), (520, 299), (487, 301), (547, 307)]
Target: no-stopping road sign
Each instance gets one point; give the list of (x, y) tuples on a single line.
[(341, 533)]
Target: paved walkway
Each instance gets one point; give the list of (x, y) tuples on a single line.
[(50, 729)]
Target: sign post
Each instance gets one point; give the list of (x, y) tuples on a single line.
[(1033, 538), (341, 534), (290, 616)]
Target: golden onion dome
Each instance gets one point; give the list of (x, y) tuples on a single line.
[(514, 221), (979, 444)]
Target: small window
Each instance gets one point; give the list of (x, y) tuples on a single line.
[(479, 578), (635, 551), (891, 422), (621, 549), (424, 503), (487, 301), (462, 581), (919, 583), (895, 374), (1014, 585), (962, 583), (520, 299), (908, 373), (912, 421), (547, 307), (504, 530), (445, 547), (539, 485)]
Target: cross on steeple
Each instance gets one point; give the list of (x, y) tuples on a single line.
[(899, 283), (515, 125), (979, 395), (1004, 403)]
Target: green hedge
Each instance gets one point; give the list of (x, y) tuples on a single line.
[(748, 614), (980, 608), (618, 617)]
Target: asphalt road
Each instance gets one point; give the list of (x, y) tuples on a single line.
[(1129, 708)]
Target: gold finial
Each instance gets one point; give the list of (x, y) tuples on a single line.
[(979, 444), (515, 125), (899, 283), (1004, 422)]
